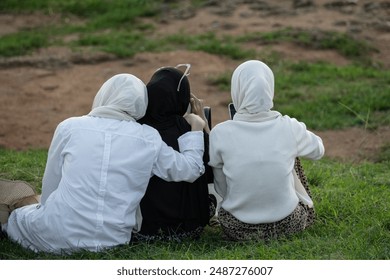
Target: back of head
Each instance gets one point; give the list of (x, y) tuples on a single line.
[(252, 87), (122, 97), (167, 101)]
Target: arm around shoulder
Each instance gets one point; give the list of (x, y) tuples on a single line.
[(184, 166)]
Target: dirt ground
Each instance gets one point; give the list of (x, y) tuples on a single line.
[(40, 90)]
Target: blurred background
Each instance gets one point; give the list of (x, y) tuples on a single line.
[(330, 59)]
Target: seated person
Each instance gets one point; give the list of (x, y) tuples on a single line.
[(254, 158), (97, 171), (173, 210)]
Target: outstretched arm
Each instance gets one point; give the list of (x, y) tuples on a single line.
[(188, 164), (184, 166)]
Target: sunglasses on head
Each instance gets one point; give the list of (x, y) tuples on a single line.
[(186, 72)]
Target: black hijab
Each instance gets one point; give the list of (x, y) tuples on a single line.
[(172, 206), (166, 104)]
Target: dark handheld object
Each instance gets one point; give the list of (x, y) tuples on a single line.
[(232, 110), (207, 113)]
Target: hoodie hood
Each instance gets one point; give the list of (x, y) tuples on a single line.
[(252, 90), (122, 97)]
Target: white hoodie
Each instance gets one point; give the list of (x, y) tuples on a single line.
[(253, 155)]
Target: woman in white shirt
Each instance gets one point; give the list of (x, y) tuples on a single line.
[(97, 171), (253, 159)]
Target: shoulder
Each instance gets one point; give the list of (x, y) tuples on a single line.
[(221, 132), (77, 122), (69, 123), (293, 122), (216, 130), (74, 120), (221, 127), (150, 133)]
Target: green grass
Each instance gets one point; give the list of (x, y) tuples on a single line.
[(353, 219), (326, 96), (352, 201), (27, 165), (384, 154), (314, 39), (96, 17), (114, 26), (22, 43), (210, 43), (110, 10), (122, 44)]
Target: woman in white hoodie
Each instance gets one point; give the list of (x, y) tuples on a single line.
[(253, 158)]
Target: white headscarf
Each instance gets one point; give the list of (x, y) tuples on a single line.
[(122, 97), (252, 91)]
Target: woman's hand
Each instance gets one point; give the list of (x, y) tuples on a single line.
[(197, 108), (195, 121)]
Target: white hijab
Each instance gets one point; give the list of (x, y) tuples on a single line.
[(252, 91), (122, 97)]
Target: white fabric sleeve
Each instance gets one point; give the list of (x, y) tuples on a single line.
[(184, 166), (53, 174), (220, 184), (309, 145), (216, 163)]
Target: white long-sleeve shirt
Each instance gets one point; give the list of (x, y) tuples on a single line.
[(96, 174), (253, 164)]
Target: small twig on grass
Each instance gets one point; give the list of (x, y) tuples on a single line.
[(364, 120)]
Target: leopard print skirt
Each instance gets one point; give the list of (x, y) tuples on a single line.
[(177, 237), (301, 218)]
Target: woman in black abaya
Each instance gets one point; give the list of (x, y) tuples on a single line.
[(172, 210)]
